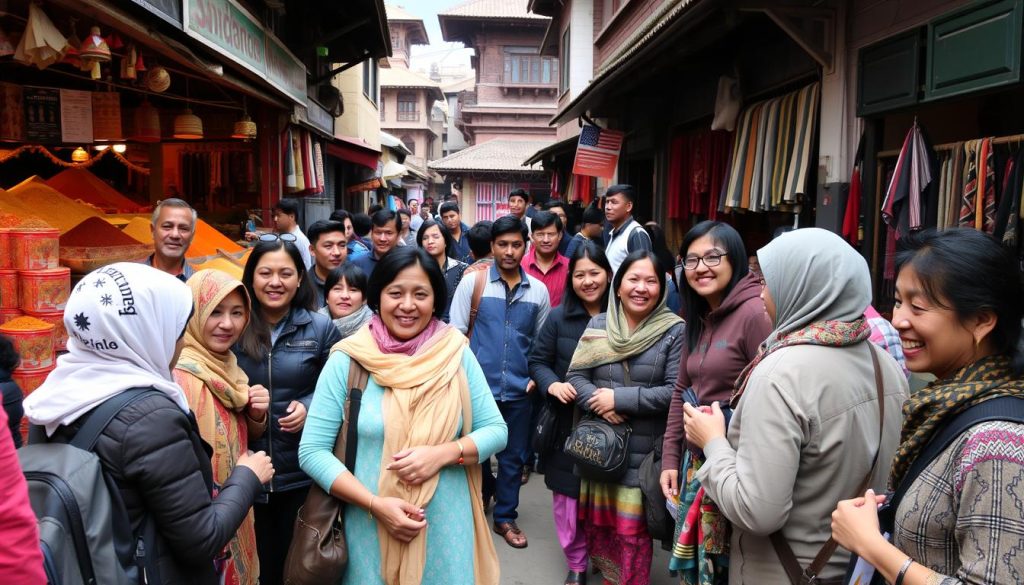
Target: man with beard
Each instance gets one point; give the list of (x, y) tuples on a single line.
[(511, 311), (174, 226)]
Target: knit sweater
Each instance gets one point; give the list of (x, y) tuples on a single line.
[(962, 516)]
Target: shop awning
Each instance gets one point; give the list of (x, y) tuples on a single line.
[(393, 170), (646, 39), (354, 154), (561, 147), (372, 184)]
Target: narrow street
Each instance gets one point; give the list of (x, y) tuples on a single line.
[(542, 562)]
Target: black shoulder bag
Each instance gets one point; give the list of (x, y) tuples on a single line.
[(599, 449)]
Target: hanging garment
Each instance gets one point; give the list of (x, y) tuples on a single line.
[(986, 216), (851, 219), (902, 207)]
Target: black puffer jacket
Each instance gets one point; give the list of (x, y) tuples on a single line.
[(154, 453), (549, 362), (12, 405), (645, 403), (290, 371)]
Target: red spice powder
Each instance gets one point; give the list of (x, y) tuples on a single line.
[(96, 232)]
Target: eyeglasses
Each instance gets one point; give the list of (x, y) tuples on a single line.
[(272, 237), (710, 260)]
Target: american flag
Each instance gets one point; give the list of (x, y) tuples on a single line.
[(597, 153)]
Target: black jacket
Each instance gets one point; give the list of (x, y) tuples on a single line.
[(290, 371), (549, 361), (156, 457), (12, 405), (644, 403)]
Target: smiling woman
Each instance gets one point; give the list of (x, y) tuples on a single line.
[(418, 465), (284, 348)]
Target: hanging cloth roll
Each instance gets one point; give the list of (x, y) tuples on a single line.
[(289, 160)]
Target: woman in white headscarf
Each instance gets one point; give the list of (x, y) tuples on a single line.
[(126, 323), (805, 432)]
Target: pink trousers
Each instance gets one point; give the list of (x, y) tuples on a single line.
[(570, 532)]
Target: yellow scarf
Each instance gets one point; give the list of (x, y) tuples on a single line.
[(220, 372), (424, 395)]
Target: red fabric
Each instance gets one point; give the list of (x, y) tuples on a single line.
[(698, 167), (555, 278), (347, 152), (851, 221), (21, 563)]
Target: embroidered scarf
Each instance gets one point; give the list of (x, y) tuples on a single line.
[(828, 333), (926, 411)]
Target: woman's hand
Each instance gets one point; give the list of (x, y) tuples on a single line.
[(401, 519), (259, 403), (702, 426), (855, 523), (563, 391), (602, 401), (259, 463), (670, 483), (296, 417), (418, 464)]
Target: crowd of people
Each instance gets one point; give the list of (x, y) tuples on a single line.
[(749, 411)]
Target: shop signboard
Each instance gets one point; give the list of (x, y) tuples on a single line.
[(168, 10), (42, 115), (315, 116), (229, 29)]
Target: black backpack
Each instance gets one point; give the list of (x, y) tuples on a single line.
[(84, 530)]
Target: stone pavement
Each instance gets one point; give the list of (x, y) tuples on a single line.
[(542, 562)]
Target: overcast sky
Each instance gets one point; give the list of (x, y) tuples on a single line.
[(437, 51)]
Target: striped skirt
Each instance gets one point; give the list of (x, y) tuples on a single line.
[(616, 532)]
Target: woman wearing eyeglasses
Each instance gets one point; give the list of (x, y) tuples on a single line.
[(284, 348), (725, 324)]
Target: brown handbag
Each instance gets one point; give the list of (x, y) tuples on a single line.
[(319, 553)]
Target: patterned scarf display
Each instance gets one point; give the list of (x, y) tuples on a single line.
[(829, 333), (926, 411)]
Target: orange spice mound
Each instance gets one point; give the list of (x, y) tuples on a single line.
[(207, 240), (26, 323), (33, 197), (34, 223), (139, 228), (8, 220), (82, 184)]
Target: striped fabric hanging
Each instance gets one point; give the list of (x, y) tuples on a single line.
[(771, 155)]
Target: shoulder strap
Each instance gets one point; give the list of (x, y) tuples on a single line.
[(1004, 408), (102, 415), (345, 444), (478, 295), (797, 575)]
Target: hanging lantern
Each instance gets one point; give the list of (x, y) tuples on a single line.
[(41, 44), (157, 80), (6, 46), (79, 155), (245, 129), (140, 66), (147, 123), (93, 52), (188, 126)]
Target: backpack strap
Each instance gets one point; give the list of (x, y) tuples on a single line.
[(797, 575), (478, 295), (1004, 408), (102, 415)]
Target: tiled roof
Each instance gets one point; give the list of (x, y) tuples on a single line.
[(492, 9), (493, 155), (396, 12), (401, 77)]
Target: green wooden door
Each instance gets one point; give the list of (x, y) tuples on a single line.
[(889, 74)]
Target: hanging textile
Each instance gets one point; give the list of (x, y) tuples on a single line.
[(771, 153), (289, 160), (851, 219), (902, 206), (698, 164), (318, 164)]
